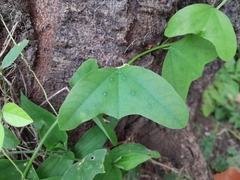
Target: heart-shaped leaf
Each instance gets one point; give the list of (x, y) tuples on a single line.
[(13, 54), (15, 115), (185, 61), (88, 168), (119, 92), (207, 22)]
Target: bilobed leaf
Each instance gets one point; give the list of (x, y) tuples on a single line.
[(92, 140), (13, 54), (55, 166), (1, 136), (128, 156), (88, 168), (42, 122), (84, 69), (9, 172), (123, 91), (107, 130), (207, 22), (185, 62), (15, 116), (10, 140)]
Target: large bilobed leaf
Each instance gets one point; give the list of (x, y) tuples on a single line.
[(1, 135), (13, 54), (9, 172), (42, 122), (88, 168), (207, 22), (128, 156), (55, 166), (185, 62), (123, 91), (92, 140), (10, 140), (15, 116), (84, 69)]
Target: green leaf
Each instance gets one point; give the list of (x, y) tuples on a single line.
[(10, 140), (1, 136), (13, 54), (15, 116), (130, 161), (111, 172), (128, 156), (108, 131), (84, 69), (86, 169), (92, 140), (185, 62), (55, 166), (123, 91), (207, 22), (207, 145), (42, 122), (233, 158), (8, 171), (219, 164), (208, 104)]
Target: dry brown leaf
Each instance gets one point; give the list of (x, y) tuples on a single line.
[(230, 174)]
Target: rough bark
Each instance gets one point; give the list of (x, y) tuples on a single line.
[(68, 32)]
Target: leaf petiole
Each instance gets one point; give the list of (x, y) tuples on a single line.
[(148, 51)]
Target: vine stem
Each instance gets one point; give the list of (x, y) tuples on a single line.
[(29, 68), (170, 168), (4, 87), (148, 51), (221, 4), (38, 148), (5, 154)]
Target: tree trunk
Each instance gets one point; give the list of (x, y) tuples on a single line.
[(65, 33)]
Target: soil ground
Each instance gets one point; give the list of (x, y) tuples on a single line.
[(202, 126)]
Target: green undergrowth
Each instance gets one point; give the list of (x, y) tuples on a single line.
[(222, 103)]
